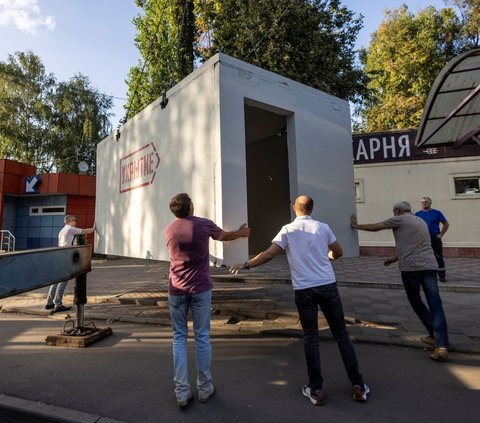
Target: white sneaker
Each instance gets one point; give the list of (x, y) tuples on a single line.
[(205, 398), (316, 398), (183, 402)]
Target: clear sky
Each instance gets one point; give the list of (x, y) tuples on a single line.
[(95, 37)]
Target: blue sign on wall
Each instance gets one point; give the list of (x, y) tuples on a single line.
[(31, 184)]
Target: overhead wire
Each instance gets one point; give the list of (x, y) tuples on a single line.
[(182, 28), (13, 74), (57, 160), (149, 50), (184, 17), (242, 13), (185, 11), (268, 31), (88, 151)]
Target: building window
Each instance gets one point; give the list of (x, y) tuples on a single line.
[(465, 186), (359, 190), (47, 210)]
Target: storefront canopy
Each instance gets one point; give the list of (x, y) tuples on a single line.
[(452, 110)]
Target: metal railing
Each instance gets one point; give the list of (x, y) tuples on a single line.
[(7, 241)]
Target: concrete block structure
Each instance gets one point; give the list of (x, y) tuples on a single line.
[(243, 142)]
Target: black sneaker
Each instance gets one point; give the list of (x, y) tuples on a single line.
[(316, 397), (49, 306), (61, 308), (360, 393)]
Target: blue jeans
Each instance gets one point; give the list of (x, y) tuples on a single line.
[(328, 298), (200, 306), (55, 293), (433, 316)]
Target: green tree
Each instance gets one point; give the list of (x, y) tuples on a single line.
[(404, 57), (25, 108), (79, 122), (470, 14), (165, 39), (50, 124), (310, 41)]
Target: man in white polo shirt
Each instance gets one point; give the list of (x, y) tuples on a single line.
[(310, 245)]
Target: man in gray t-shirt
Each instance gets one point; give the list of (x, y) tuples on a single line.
[(419, 269), (412, 239)]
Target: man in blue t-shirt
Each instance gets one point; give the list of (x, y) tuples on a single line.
[(433, 218)]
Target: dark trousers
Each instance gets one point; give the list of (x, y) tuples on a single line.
[(328, 298), (437, 246)]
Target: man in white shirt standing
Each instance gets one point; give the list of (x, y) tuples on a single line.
[(65, 239), (310, 245)]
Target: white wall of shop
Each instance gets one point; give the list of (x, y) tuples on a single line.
[(380, 185)]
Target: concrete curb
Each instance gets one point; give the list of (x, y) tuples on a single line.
[(261, 328), (43, 410), (233, 318), (250, 326), (463, 289), (258, 280)]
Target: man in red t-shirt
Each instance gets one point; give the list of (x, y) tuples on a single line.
[(190, 287)]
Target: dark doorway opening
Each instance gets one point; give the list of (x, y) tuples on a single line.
[(268, 182)]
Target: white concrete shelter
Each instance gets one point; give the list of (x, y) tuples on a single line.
[(243, 143)]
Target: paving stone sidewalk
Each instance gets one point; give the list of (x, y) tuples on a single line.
[(260, 301)]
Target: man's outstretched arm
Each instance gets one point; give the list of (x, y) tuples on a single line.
[(242, 232), (371, 227), (262, 258)]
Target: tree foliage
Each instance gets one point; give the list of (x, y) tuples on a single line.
[(310, 41), (165, 40), (470, 15), (80, 120), (25, 108), (53, 125), (405, 55)]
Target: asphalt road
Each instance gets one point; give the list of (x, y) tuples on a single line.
[(128, 377)]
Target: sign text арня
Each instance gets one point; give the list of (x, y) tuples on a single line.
[(397, 146)]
